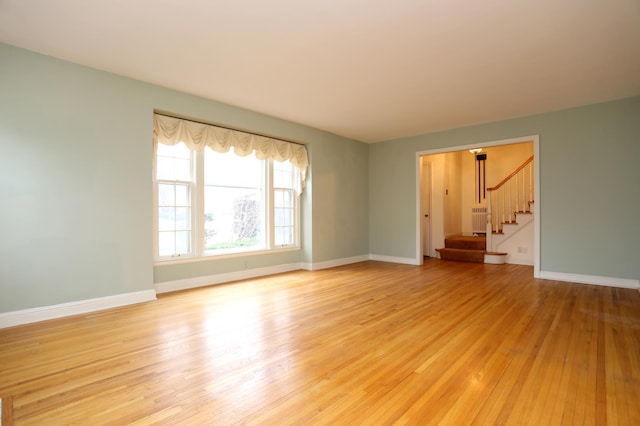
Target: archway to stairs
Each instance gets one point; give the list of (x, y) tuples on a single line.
[(449, 214)]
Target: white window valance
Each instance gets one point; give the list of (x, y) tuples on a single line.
[(196, 136)]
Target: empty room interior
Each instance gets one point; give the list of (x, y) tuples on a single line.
[(337, 212)]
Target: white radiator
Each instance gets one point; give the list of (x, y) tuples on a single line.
[(479, 219)]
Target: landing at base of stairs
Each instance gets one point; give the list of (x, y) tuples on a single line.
[(469, 249), (476, 256)]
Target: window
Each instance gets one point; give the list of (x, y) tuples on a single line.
[(174, 188), (234, 202), (210, 203), (284, 207), (222, 191)]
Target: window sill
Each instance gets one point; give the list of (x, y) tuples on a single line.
[(210, 257)]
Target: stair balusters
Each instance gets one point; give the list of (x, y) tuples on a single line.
[(518, 193)]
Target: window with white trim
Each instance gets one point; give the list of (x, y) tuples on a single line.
[(235, 202), (285, 208), (222, 191), (173, 189), (210, 203)]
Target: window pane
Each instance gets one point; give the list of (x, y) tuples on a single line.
[(164, 168), (279, 236), (166, 218), (183, 242), (182, 195), (165, 150), (232, 170), (288, 199), (183, 218), (174, 163), (283, 236), (283, 174), (287, 217), (182, 169), (177, 151), (277, 198), (234, 196), (166, 243), (234, 219), (166, 194), (283, 205), (283, 217), (174, 214), (283, 198)]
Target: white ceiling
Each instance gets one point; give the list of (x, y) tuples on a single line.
[(370, 70)]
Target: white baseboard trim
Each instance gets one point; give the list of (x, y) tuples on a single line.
[(188, 283), (177, 285), (393, 259), (590, 279), (333, 263), (525, 262), (26, 316)]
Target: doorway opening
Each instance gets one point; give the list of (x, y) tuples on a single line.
[(446, 181)]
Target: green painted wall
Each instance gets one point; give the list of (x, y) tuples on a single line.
[(341, 213), (590, 180), (76, 191), (76, 204)]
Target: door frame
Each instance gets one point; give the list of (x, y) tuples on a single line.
[(536, 179), (425, 164)]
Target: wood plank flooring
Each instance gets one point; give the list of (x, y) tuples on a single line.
[(369, 343)]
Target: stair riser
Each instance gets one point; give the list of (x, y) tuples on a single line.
[(466, 243), (465, 246), (462, 255)]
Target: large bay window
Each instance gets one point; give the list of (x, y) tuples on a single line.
[(219, 191)]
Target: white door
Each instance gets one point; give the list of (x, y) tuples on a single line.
[(425, 206)]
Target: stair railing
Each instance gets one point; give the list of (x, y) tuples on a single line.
[(514, 194)]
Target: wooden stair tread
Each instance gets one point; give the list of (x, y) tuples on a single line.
[(461, 250)]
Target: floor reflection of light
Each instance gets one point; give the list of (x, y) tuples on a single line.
[(245, 341), (476, 382), (234, 325)]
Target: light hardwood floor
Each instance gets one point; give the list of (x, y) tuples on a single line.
[(369, 343)]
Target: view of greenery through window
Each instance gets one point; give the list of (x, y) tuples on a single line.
[(234, 206)]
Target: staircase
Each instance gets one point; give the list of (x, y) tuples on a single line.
[(510, 215), (509, 224), (516, 237)]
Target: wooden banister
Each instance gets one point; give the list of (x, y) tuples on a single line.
[(515, 172), (518, 187)]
